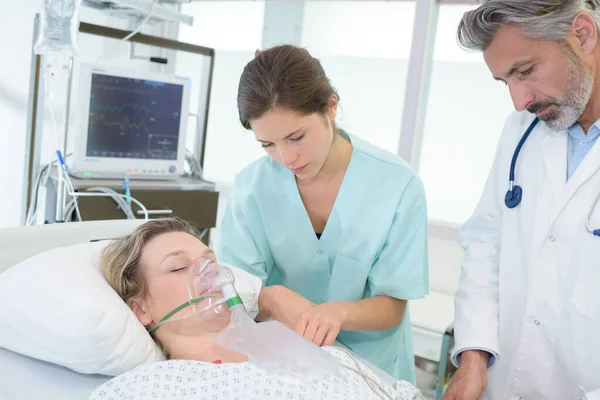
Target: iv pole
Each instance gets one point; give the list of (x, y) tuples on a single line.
[(35, 120)]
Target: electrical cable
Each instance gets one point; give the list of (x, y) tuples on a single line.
[(195, 168), (144, 21), (133, 199), (62, 175), (72, 190), (121, 202), (377, 389), (118, 198), (135, 31)]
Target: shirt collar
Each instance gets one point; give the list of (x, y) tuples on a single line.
[(576, 132)]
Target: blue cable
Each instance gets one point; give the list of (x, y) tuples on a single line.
[(127, 189), (61, 160)]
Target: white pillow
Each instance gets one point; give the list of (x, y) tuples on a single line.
[(56, 306)]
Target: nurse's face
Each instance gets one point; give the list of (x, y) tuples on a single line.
[(300, 142), (163, 266), (551, 79)]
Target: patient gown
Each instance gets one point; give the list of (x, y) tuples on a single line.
[(195, 380)]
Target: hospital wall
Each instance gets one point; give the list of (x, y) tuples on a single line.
[(465, 107), (465, 110)]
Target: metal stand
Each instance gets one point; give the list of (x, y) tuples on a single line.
[(36, 99), (446, 344)]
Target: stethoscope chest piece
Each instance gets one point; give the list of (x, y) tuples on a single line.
[(513, 197)]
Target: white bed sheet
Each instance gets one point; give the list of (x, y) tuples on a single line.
[(194, 380), (24, 378)]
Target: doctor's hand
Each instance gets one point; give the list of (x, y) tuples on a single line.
[(282, 305), (470, 380), (321, 324)]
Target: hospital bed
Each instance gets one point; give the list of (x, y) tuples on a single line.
[(24, 378), (432, 317), (18, 244), (433, 337)]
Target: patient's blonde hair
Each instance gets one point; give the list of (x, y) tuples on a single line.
[(119, 260)]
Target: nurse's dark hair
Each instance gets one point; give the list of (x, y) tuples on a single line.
[(538, 19), (285, 77), (119, 261)]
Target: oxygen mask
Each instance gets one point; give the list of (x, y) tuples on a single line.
[(212, 298)]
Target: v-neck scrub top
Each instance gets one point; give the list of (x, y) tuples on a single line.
[(374, 242)]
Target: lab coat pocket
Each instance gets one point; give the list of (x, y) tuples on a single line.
[(585, 293), (583, 259), (348, 279), (581, 343)]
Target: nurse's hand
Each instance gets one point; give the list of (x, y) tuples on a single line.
[(282, 304), (470, 380), (321, 324)]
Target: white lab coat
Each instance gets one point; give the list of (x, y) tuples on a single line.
[(530, 283)]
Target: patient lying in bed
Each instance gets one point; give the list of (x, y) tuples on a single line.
[(148, 269)]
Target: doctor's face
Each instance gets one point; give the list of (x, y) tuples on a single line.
[(299, 142), (546, 78)]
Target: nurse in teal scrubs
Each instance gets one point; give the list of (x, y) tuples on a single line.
[(335, 227)]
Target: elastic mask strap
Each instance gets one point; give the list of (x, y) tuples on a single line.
[(175, 311)]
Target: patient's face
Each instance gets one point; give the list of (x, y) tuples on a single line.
[(163, 265)]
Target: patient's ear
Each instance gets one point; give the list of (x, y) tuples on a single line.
[(138, 306)]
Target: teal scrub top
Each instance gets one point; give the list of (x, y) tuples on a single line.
[(374, 242)]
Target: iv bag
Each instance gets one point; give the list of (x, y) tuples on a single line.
[(59, 27), (280, 351)]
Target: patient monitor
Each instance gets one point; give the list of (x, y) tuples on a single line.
[(130, 122)]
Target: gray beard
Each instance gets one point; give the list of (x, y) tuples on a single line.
[(577, 94)]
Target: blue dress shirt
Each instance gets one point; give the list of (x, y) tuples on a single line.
[(579, 145)]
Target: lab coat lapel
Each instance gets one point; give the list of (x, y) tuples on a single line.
[(588, 167), (554, 150)]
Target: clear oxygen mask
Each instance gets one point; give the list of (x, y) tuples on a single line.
[(215, 304), (212, 299)]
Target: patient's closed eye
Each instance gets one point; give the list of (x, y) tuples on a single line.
[(180, 269)]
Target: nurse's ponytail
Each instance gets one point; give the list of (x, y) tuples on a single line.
[(285, 77)]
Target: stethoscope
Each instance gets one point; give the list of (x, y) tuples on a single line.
[(514, 195)]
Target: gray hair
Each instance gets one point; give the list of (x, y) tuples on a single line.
[(539, 19)]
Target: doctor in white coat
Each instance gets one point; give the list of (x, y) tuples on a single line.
[(528, 305)]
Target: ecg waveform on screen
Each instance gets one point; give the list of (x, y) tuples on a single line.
[(113, 88), (131, 118), (124, 123), (108, 108)]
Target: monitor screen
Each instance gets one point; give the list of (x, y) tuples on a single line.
[(133, 118)]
